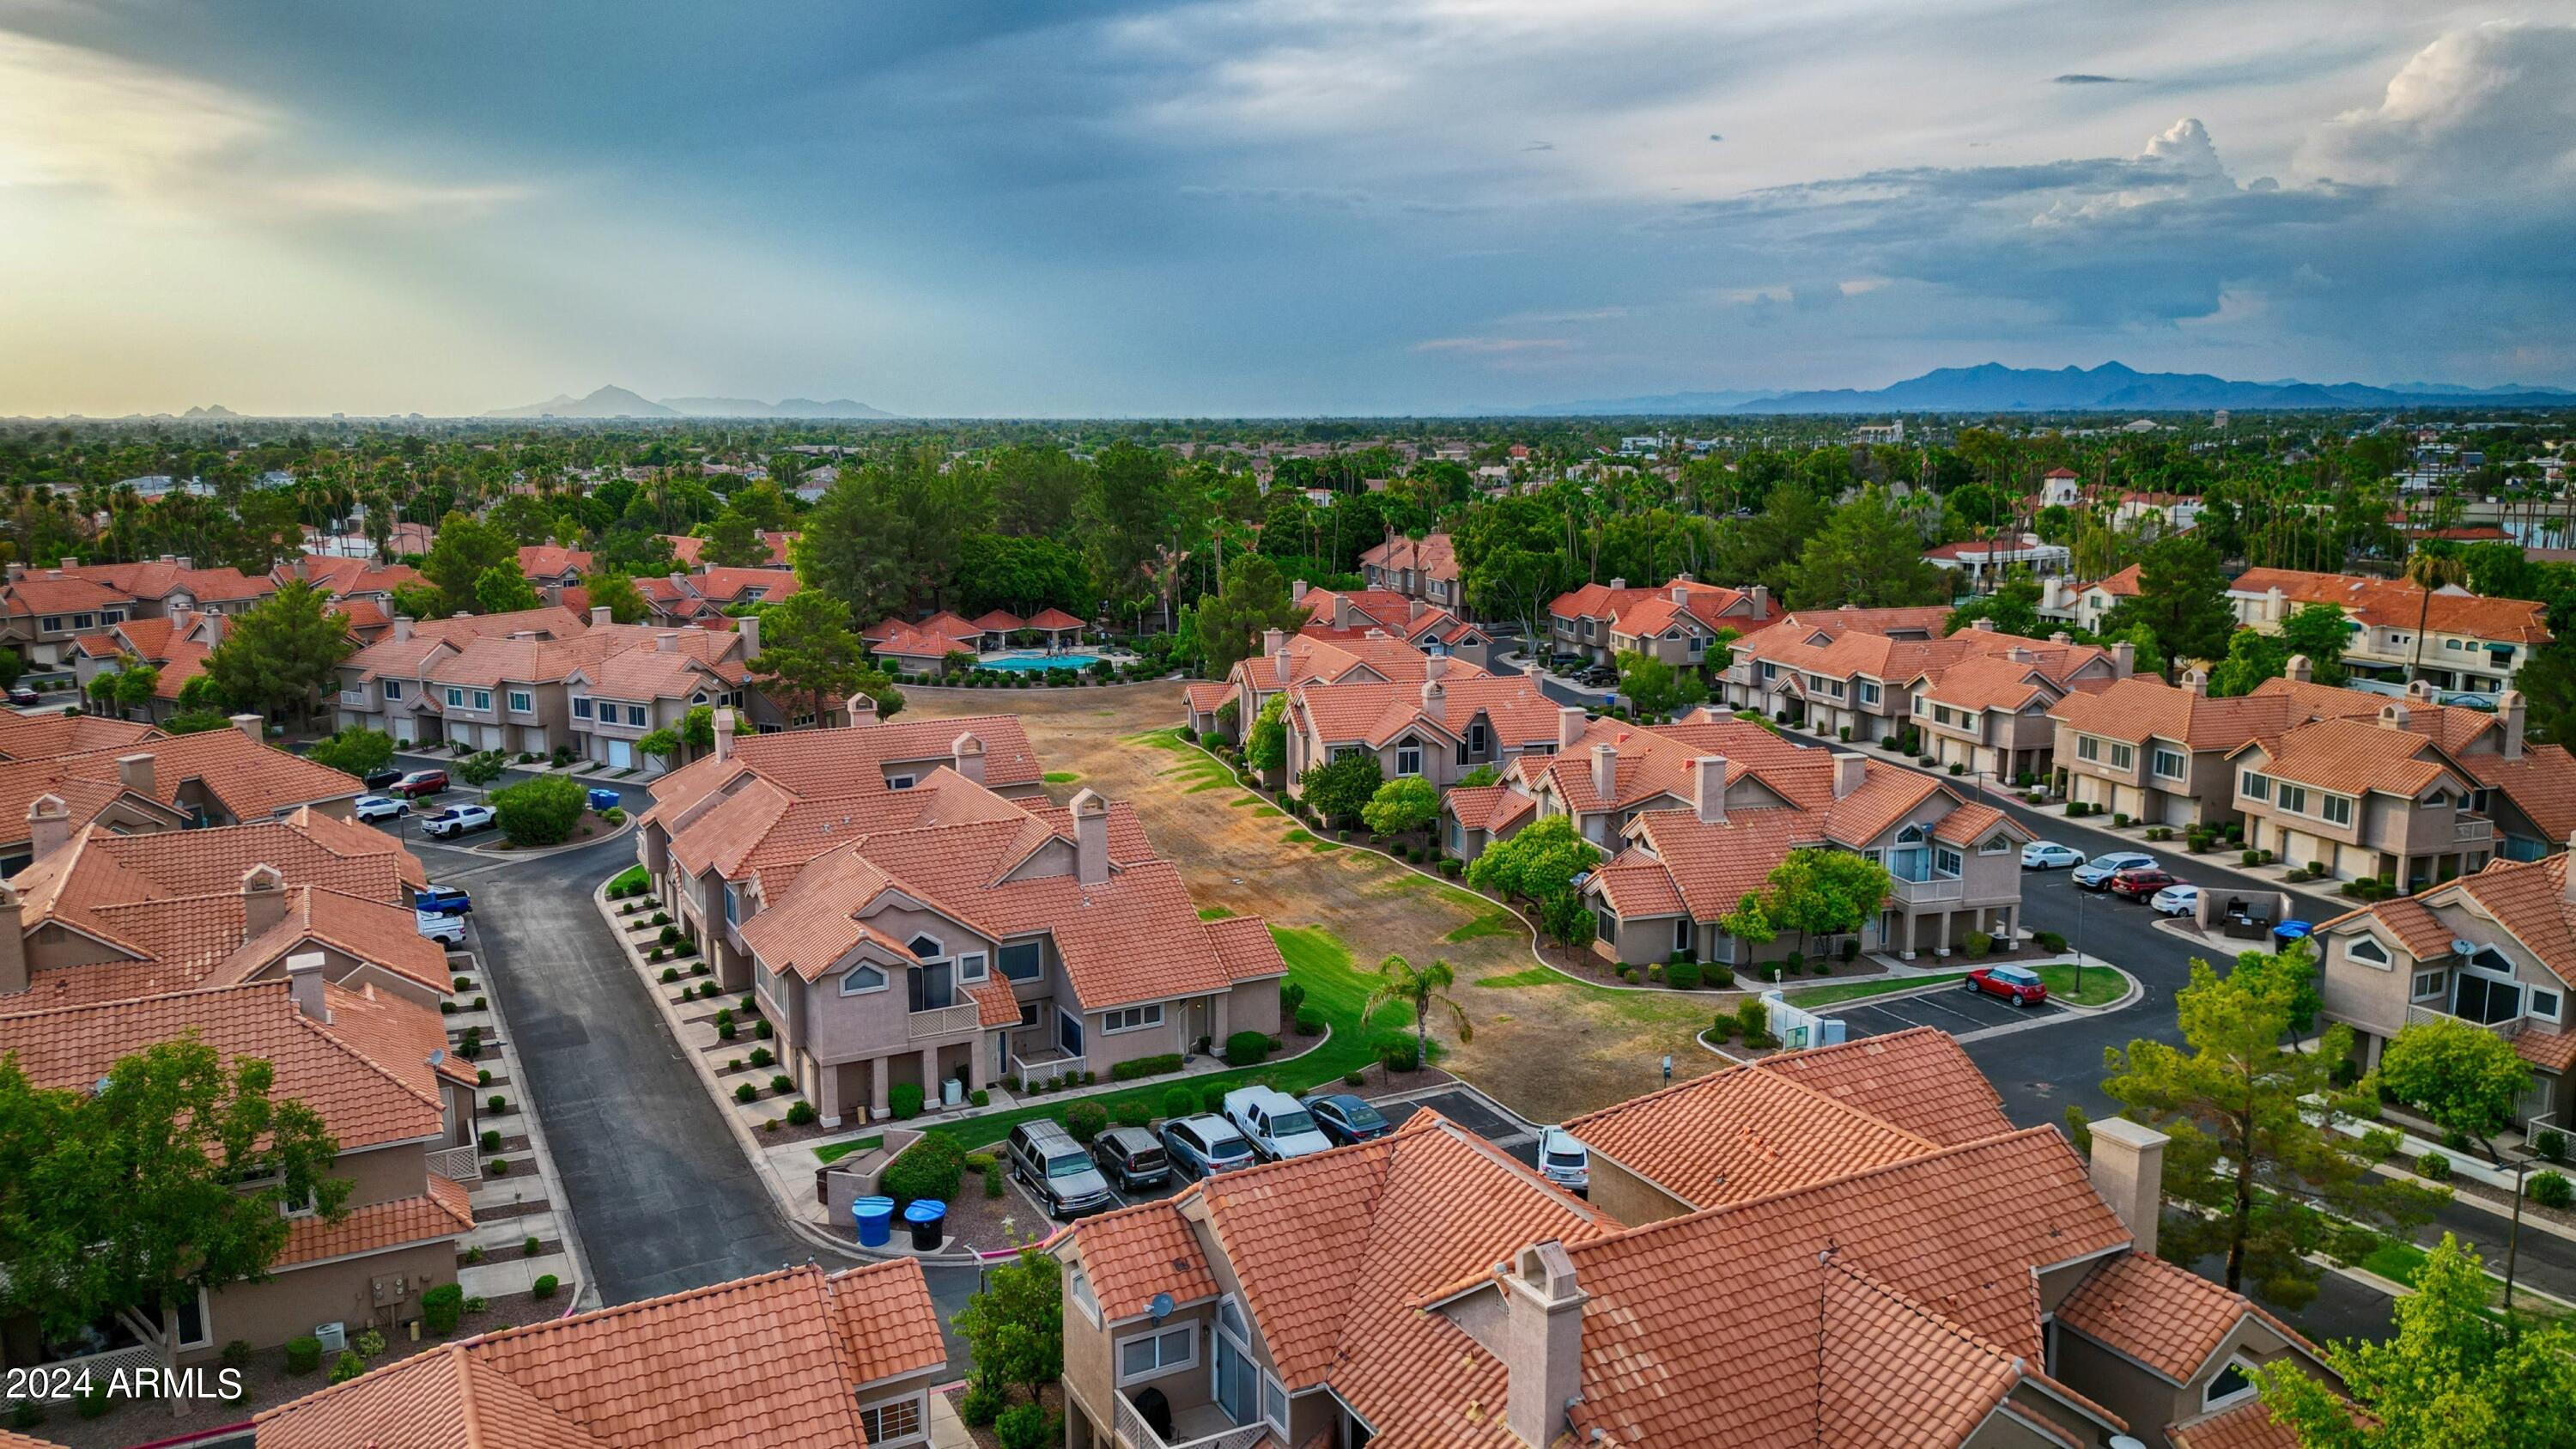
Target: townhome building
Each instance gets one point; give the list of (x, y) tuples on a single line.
[(374, 1069), (183, 782), (169, 583), (1352, 613), (2087, 606), (1988, 713), (793, 1359), (690, 550), (349, 580), (65, 732), (2449, 637), (386, 686), (619, 699), (1676, 874), (1289, 661), (1856, 673), (43, 611), (1850, 1245), (1679, 620), (703, 596), (912, 926), (1423, 568), (1438, 730), (174, 646), (2363, 798), (545, 564), (2496, 948)]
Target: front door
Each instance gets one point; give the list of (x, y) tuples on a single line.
[(1202, 1021), (1068, 1033), (1238, 1378)]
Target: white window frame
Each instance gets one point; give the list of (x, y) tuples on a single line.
[(2088, 748), (915, 1404), (522, 701), (2335, 809), (1161, 1339), (393, 688), (1869, 693), (638, 716), (2181, 764), (1137, 1018), (581, 706), (2294, 799), (899, 782), (1084, 1299), (1684, 937), (455, 697), (2440, 987), (2368, 950), (2531, 1003), (1274, 1402), (2123, 756), (1413, 748), (2211, 1398), (973, 965), (1037, 946), (850, 980), (483, 700), (2254, 785)]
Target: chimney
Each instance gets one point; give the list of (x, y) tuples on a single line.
[(2275, 605), (1850, 773), (1090, 837), (1681, 590), (402, 628), (187, 562), (966, 756), (70, 562), (2299, 670), (2420, 689), (2129, 1173), (679, 583), (1761, 597), (1435, 699), (1281, 671), (2020, 655), (2393, 716), (49, 825), (251, 727), (1569, 726), (2196, 681), (2061, 638), (862, 710), (2569, 889), (1605, 771), (169, 558), (1542, 1344), (724, 732), (550, 594), (263, 893), (1618, 584), (748, 626), (599, 616), (304, 984), (1983, 626), (214, 628), (134, 772), (1297, 592), (1708, 789), (667, 642), (13, 945), (2509, 714), (1435, 667), (2124, 659)]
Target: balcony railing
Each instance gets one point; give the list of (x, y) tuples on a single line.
[(2507, 1029), (1135, 1432), (456, 1164), (945, 1021), (2474, 828), (1931, 891), (354, 698), (1047, 1062)]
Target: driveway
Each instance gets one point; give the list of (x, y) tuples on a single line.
[(1949, 1009)]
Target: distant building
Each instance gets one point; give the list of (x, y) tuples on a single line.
[(1878, 433)]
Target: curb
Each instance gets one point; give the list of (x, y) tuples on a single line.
[(534, 1123), (508, 857)]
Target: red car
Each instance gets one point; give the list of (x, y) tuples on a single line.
[(2140, 884), (419, 783), (2018, 985)]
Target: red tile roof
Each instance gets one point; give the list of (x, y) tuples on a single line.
[(2395, 603), (2170, 1319)]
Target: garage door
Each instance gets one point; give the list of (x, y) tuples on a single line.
[(406, 730), (621, 755)]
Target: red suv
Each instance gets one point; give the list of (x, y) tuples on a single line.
[(2141, 883), (419, 783), (2018, 985)]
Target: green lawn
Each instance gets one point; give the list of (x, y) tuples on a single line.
[(1318, 961), (1214, 913), (2101, 988), (1856, 990), (1062, 777), (1534, 976), (834, 1152)]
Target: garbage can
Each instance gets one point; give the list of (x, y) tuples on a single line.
[(928, 1217), (876, 1220), (2289, 933)]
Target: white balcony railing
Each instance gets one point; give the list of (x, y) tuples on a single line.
[(1050, 1062), (2475, 827), (946, 1021), (1933, 891), (354, 698), (1135, 1432), (456, 1164), (2508, 1029)]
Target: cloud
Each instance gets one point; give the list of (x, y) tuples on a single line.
[(1492, 346), (2079, 78), (1540, 146), (2489, 108)]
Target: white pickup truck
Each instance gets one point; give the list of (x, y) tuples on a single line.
[(456, 820)]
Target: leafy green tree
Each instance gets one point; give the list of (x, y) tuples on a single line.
[(1824, 893), (2014, 606), (2252, 657), (1036, 490), (1481, 775), (1750, 921), (131, 1197), (1340, 789), (2181, 600), (1024, 575), (2430, 572), (698, 728), (2320, 632), (1539, 865), (733, 541), (1401, 805), (615, 592), (2256, 1168), (196, 722), (136, 684), (2461, 1075), (282, 654), (504, 590), (1867, 554), (1265, 749), (2451, 1378), (11, 667), (526, 518), (464, 550), (481, 768), (663, 744), (808, 649), (420, 601), (1015, 1326), (1253, 600), (1423, 988), (842, 552), (540, 811), (356, 750), (1658, 688)]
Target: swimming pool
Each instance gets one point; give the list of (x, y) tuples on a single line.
[(1038, 663)]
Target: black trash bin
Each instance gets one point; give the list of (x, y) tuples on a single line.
[(928, 1218)]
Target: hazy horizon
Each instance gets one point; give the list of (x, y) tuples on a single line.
[(1216, 208)]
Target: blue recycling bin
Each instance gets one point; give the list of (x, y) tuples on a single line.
[(876, 1220), (600, 799), (2290, 933), (928, 1217)]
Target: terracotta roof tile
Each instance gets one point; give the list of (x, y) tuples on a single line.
[(1245, 947), (1515, 709), (2248, 1425), (441, 1211), (34, 736), (1488, 807), (1053, 618), (2170, 1319), (2349, 757), (1917, 1079), (2542, 784), (1133, 1253), (886, 1318), (2395, 603), (1742, 1133)]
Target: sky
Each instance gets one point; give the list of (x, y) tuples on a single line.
[(1295, 207)]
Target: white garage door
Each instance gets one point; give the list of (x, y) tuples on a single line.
[(621, 755)]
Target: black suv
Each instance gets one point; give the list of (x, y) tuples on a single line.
[(1132, 1157)]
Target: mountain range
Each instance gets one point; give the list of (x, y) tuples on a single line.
[(2112, 387), (618, 402)]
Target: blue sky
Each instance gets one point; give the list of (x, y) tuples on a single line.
[(1291, 207)]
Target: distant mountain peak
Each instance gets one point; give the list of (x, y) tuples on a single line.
[(619, 402), (2112, 387)]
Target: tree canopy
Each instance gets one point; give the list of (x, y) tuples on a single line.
[(2181, 600), (283, 654)]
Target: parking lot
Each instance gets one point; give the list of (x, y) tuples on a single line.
[(1951, 1009)]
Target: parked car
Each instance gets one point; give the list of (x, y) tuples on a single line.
[(2137, 885), (1279, 1125), (2049, 855), (1599, 676), (380, 779), (602, 799), (2018, 985), (1565, 1161), (446, 929), (2095, 874), (380, 807), (456, 820), (1132, 1158), (23, 697), (446, 900), (1347, 1119), (416, 783), (1206, 1145), (1046, 1158), (2176, 899)]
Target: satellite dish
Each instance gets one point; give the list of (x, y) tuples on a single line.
[(2463, 948), (1160, 1308)]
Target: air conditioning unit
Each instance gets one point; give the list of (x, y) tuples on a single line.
[(332, 1336)]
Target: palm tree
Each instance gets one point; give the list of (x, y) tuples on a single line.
[(2429, 572), (1422, 988)]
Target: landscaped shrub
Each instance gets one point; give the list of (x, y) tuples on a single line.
[(669, 973), (483, 1077), (1720, 975), (1246, 1048), (2552, 1189), (684, 951), (545, 1286), (763, 1030), (1682, 975), (1399, 1054), (2550, 1143), (1977, 943), (630, 881), (1180, 1101), (746, 1093), (1130, 1070), (801, 1114), (497, 1167), (762, 1056), (905, 1098), (2049, 940), (653, 955), (1354, 1079), (1310, 1022), (781, 1084), (1085, 1120), (1025, 1426), (1212, 1100), (725, 1030), (1132, 1112), (2251, 857), (2379, 1144), (2433, 1165), (979, 1098), (491, 1140), (530, 1248), (930, 1168), (982, 1402), (344, 1368), (1849, 951), (440, 1307), (670, 935), (303, 1355)]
